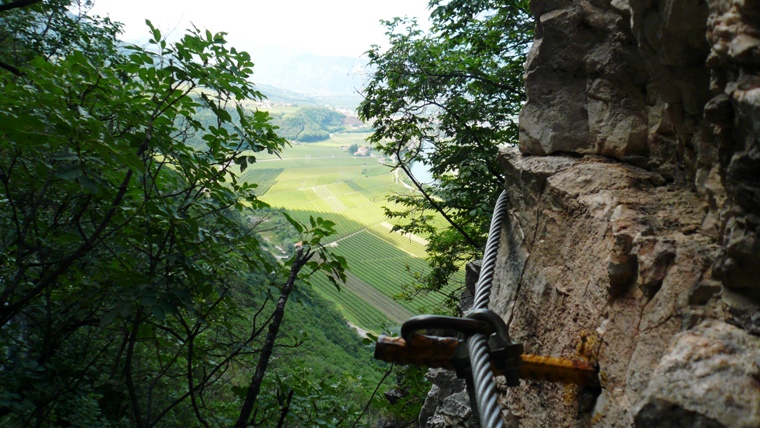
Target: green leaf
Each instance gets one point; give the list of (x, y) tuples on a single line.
[(69, 171), (91, 185), (293, 222), (154, 31), (64, 155), (239, 391), (158, 312), (110, 316)]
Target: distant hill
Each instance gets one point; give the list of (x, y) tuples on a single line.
[(285, 96), (308, 124), (306, 79), (347, 102), (314, 75)]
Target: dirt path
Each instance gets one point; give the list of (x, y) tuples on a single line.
[(360, 331), (414, 238), (335, 242)]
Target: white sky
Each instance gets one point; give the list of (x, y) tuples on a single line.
[(321, 27)]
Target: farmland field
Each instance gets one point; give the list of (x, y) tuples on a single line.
[(323, 180)]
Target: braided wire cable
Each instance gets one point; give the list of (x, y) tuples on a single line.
[(485, 390), (483, 289)]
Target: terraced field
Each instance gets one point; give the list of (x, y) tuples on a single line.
[(264, 177), (356, 310), (323, 180)]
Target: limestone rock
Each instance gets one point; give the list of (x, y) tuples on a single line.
[(742, 311), (467, 298), (454, 412), (709, 377), (447, 403), (740, 265), (599, 260), (733, 32), (580, 85), (615, 79), (633, 235)]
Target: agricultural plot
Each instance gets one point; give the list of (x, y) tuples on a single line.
[(376, 261), (298, 177), (343, 225), (323, 180), (347, 222), (264, 177), (330, 198), (348, 197), (353, 308), (392, 312)]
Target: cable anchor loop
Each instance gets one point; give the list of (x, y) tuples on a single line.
[(503, 352)]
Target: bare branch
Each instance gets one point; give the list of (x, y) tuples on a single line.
[(372, 396), (432, 202)]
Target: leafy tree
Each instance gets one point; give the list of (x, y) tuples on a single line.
[(328, 119), (353, 148), (447, 99), (130, 280)]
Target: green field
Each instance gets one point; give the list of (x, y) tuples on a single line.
[(323, 180)]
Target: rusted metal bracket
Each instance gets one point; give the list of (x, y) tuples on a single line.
[(450, 353)]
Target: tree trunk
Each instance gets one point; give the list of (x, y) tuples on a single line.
[(274, 328)]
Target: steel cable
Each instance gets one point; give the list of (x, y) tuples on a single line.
[(483, 289), (485, 390)]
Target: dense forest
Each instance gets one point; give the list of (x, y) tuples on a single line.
[(134, 289), (308, 124)]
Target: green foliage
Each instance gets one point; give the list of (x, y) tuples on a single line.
[(410, 389), (31, 31), (315, 401), (447, 99), (132, 284), (330, 349), (326, 260), (308, 124), (353, 148)]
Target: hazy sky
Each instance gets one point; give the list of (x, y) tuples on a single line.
[(322, 27)]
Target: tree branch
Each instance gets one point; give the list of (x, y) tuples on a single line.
[(132, 391), (284, 411), (302, 257), (17, 4), (372, 396), (11, 68), (432, 202), (8, 310)]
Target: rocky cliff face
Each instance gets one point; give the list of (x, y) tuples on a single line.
[(635, 212)]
